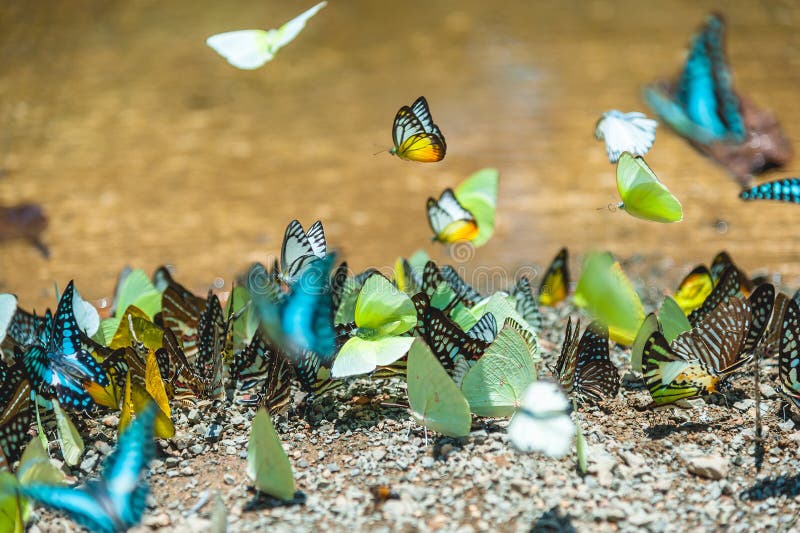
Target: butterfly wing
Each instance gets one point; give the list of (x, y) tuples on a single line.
[(244, 49), (465, 292), (555, 284), (79, 504), (449, 220), (761, 302), (422, 112), (694, 289), (625, 132), (412, 142), (296, 251), (565, 365), (670, 378), (316, 238), (596, 377), (484, 329), (526, 303), (286, 33), (705, 89), (727, 287), (784, 190), (642, 194), (789, 354)]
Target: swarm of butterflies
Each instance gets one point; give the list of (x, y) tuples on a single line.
[(307, 321)]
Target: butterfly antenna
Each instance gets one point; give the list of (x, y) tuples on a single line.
[(382, 151)]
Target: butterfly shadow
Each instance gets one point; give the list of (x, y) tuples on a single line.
[(553, 521), (662, 431), (771, 487), (261, 501)]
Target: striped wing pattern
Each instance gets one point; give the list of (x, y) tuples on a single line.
[(584, 367), (727, 287), (789, 355)]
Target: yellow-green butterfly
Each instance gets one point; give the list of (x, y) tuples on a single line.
[(642, 194), (435, 400), (267, 463)]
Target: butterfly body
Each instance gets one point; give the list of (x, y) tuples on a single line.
[(416, 137)]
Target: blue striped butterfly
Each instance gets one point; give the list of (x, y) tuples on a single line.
[(16, 413), (703, 107), (300, 248), (303, 320), (783, 190), (415, 136), (789, 354), (584, 367), (62, 366), (699, 361), (116, 500)]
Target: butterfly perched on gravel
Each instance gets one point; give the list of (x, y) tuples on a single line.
[(555, 283), (300, 248), (60, 367), (262, 366), (726, 288), (416, 137), (116, 500), (699, 360), (789, 355), (584, 367), (16, 413), (625, 132)]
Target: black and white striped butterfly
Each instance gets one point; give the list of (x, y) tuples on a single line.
[(585, 368), (527, 304), (727, 287), (300, 248)]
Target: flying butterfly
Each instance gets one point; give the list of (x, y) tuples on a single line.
[(555, 284), (783, 190), (585, 367), (415, 136), (250, 49), (789, 355), (703, 107), (116, 500), (625, 132), (642, 194), (449, 220), (62, 366)]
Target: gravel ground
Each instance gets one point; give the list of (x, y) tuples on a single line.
[(667, 470)]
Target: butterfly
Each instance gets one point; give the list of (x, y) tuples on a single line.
[(703, 107), (527, 305), (267, 463), (116, 500), (727, 287), (16, 412), (415, 136), (449, 220), (789, 354), (62, 366), (625, 132), (721, 262), (465, 292), (542, 423), (303, 320), (435, 400), (250, 49), (300, 249), (783, 190), (694, 289), (261, 364), (585, 367), (454, 348), (642, 194), (700, 360), (555, 284)]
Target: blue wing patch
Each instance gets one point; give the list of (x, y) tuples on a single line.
[(785, 190)]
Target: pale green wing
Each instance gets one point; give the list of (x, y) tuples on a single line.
[(68, 437), (135, 289), (642, 194), (435, 400), (362, 356), (606, 292), (478, 195), (85, 314), (673, 321), (244, 49), (267, 463), (383, 308), (286, 33), (494, 386), (648, 327)]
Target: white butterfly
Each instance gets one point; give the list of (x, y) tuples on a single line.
[(8, 307), (625, 132), (249, 49), (543, 423), (300, 249)]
